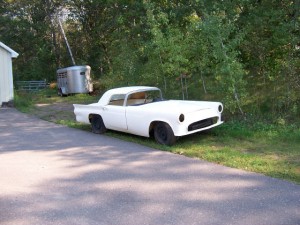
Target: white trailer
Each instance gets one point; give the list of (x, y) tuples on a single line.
[(74, 79)]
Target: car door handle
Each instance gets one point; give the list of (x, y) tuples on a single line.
[(104, 108)]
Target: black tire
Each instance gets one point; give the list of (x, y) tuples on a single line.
[(164, 134), (98, 126), (59, 92)]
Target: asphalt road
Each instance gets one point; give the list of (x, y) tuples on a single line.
[(51, 174)]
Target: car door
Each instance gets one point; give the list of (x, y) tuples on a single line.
[(137, 121), (113, 114)]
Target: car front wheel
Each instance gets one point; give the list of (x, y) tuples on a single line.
[(98, 126), (164, 134)]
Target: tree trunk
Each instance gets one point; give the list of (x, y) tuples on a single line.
[(203, 82)]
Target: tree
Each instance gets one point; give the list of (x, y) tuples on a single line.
[(244, 53), (25, 27)]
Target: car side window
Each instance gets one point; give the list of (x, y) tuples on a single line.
[(136, 98), (117, 99)]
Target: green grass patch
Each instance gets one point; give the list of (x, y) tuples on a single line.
[(251, 145), (275, 158), (23, 102), (74, 124)]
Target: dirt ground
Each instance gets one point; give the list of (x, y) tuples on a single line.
[(54, 112)]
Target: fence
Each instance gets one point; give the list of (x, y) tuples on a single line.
[(33, 85)]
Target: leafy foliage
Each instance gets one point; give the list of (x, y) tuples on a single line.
[(243, 53)]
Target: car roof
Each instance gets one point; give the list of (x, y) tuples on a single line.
[(124, 90)]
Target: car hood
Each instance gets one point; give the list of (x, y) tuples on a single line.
[(180, 106)]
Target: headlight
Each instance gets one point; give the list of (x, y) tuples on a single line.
[(220, 108), (181, 118)]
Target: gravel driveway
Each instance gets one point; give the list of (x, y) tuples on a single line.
[(51, 174)]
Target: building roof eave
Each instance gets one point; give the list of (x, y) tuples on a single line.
[(12, 52)]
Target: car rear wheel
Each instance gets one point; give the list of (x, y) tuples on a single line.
[(164, 134), (98, 126)]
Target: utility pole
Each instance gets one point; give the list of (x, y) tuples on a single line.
[(66, 40)]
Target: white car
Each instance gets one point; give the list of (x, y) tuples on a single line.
[(141, 110)]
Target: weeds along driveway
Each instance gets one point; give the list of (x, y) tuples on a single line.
[(51, 174)]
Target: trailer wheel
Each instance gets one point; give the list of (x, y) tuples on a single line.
[(59, 92), (98, 126)]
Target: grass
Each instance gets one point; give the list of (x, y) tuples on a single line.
[(272, 156), (273, 150)]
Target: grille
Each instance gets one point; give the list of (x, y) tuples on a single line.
[(202, 123), (62, 75)]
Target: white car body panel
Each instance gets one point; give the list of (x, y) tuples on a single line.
[(114, 117), (137, 119)]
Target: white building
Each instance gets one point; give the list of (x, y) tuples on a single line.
[(6, 75)]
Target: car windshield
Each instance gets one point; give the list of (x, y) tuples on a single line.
[(144, 97)]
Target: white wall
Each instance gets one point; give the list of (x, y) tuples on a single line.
[(6, 78)]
